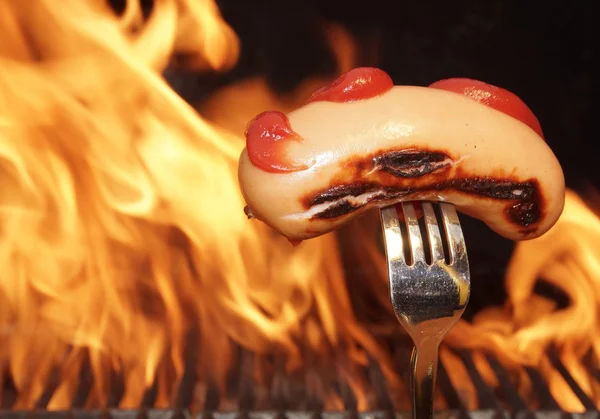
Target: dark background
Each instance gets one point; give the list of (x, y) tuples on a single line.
[(542, 51)]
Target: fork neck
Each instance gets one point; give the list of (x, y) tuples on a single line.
[(424, 364)]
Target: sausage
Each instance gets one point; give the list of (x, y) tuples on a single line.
[(363, 143)]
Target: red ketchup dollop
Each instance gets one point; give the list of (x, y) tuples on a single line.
[(266, 138), (495, 97), (357, 84)]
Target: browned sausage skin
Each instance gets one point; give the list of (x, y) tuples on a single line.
[(372, 144)]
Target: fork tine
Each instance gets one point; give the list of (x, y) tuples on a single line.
[(394, 246), (414, 233), (433, 232), (454, 235)]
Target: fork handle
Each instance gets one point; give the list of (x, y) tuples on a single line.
[(424, 363)]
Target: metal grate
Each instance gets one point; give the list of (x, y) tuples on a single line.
[(303, 397), (185, 414), (293, 400)]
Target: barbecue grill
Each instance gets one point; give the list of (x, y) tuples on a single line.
[(296, 400), (303, 397)]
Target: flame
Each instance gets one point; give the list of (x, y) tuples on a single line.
[(121, 230), (531, 327), (124, 248)]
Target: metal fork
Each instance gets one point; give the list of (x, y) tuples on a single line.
[(429, 294)]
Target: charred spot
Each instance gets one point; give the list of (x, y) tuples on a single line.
[(340, 191), (342, 206), (390, 174), (410, 163), (524, 201), (525, 213), (495, 188), (336, 210)]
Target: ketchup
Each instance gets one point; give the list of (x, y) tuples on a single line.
[(495, 97), (295, 243), (357, 84), (266, 137)]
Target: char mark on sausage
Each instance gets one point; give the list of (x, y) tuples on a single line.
[(415, 172), (339, 208), (410, 163), (525, 213), (338, 192), (495, 188), (522, 198)]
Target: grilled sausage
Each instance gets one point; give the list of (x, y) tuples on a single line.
[(362, 143)]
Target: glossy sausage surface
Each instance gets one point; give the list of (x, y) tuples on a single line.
[(309, 172)]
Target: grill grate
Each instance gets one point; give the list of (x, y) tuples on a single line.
[(304, 397), (292, 400), (185, 414)]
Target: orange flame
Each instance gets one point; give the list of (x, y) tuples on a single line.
[(124, 246), (121, 223), (522, 333)]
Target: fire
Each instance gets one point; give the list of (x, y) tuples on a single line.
[(122, 236), (532, 325), (124, 246)]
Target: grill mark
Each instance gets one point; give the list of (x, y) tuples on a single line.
[(525, 212), (343, 207), (410, 163), (338, 192), (495, 188), (391, 174)]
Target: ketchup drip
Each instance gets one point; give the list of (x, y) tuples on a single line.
[(495, 97), (266, 138), (295, 243), (357, 84), (268, 133)]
